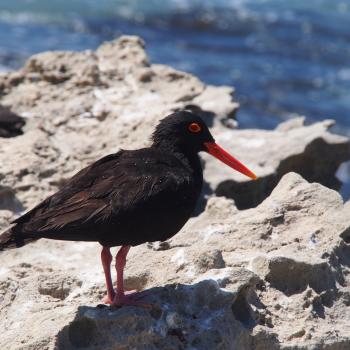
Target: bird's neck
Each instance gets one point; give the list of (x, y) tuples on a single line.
[(189, 158)]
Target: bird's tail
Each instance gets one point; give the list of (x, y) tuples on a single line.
[(12, 238)]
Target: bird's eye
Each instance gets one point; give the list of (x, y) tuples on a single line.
[(194, 127)]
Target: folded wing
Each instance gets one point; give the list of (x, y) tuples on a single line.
[(112, 186)]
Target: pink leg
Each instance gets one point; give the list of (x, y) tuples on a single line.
[(120, 262), (106, 258), (122, 297)]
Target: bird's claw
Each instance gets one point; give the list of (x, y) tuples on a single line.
[(128, 298)]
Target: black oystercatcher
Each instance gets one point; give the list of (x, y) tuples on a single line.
[(11, 124), (128, 198)]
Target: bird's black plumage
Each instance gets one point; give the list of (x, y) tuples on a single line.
[(129, 197), (11, 124)]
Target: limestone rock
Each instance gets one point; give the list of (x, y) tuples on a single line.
[(272, 277), (312, 151), (80, 106)]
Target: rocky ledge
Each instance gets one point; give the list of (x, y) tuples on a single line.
[(271, 277), (274, 276)]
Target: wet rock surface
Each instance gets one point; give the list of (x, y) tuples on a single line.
[(274, 276)]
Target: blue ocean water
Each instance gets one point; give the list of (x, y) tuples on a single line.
[(284, 57)]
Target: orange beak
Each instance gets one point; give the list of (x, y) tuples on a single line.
[(219, 153)]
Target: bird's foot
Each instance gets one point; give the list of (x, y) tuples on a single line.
[(130, 297), (107, 299)]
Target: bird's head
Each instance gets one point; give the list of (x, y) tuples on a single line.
[(188, 133)]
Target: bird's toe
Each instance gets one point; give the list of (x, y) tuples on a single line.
[(107, 299), (130, 298)]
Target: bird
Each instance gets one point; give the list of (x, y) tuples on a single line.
[(128, 198), (11, 124)]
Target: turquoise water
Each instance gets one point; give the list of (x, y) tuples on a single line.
[(284, 57)]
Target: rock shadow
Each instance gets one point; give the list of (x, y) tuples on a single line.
[(318, 163), (200, 316), (9, 201), (292, 277)]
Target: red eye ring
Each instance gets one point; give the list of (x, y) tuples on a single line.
[(194, 127)]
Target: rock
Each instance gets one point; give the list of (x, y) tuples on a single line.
[(311, 151), (8, 200), (294, 241), (219, 100), (72, 99), (271, 277), (80, 106), (58, 288), (173, 326)]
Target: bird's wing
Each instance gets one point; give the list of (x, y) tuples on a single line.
[(112, 186)]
